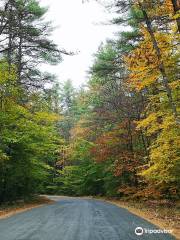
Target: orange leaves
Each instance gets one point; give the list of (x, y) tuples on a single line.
[(113, 145), (164, 9), (126, 190), (126, 162), (106, 146)]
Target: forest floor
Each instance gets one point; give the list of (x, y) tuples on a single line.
[(162, 213), (9, 209)]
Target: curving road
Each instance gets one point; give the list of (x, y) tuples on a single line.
[(76, 219)]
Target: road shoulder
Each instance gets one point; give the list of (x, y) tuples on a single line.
[(8, 210), (153, 215)]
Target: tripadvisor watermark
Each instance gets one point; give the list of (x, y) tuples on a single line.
[(140, 231)]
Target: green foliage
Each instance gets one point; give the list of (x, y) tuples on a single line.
[(118, 136), (67, 102), (28, 142), (34, 8), (28, 145), (85, 179)]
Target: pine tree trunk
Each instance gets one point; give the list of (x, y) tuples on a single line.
[(176, 6), (9, 53), (161, 65), (19, 60)]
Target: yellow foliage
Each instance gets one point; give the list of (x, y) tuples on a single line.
[(143, 62), (5, 74), (175, 84), (45, 117), (81, 130), (150, 123), (165, 153)]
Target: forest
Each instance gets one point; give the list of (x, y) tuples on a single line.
[(116, 136)]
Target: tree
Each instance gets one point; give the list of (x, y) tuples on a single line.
[(26, 43), (67, 103), (29, 112), (151, 73), (131, 116)]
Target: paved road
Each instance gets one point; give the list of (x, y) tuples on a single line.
[(76, 219)]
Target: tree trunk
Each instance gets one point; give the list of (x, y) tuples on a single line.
[(9, 53), (161, 65), (176, 6), (19, 60)]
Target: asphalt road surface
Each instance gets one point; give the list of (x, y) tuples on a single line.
[(77, 219)]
